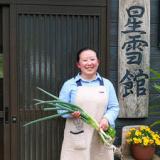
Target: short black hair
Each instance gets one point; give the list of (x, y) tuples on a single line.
[(85, 49)]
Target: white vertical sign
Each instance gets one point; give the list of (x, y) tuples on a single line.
[(133, 57)]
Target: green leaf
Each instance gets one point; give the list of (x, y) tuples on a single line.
[(45, 118), (157, 87), (51, 95), (51, 109), (111, 131), (157, 74), (42, 119), (155, 123)]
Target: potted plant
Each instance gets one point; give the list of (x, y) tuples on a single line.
[(142, 141)]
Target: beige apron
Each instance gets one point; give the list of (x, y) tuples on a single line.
[(81, 141)]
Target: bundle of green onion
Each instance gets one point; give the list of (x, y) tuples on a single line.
[(57, 104)]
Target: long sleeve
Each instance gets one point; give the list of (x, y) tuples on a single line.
[(65, 96), (112, 109)]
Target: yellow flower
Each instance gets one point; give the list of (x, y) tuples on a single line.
[(143, 135), (138, 133), (137, 140), (128, 134), (157, 142), (145, 141), (132, 129), (142, 128), (151, 141), (148, 129)]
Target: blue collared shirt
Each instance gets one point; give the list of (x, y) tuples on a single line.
[(69, 90)]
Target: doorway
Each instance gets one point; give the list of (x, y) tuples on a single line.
[(40, 50)]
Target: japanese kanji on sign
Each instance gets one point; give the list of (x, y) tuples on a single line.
[(133, 58)]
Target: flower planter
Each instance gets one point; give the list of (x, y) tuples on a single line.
[(140, 152)]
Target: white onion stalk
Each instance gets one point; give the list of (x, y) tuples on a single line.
[(57, 104)]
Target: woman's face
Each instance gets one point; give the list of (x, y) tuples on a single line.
[(88, 64)]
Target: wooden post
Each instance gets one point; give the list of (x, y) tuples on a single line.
[(133, 58)]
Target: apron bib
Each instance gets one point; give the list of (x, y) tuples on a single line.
[(81, 141)]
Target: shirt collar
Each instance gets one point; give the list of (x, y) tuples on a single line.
[(78, 77)]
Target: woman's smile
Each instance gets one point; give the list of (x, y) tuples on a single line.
[(88, 64)]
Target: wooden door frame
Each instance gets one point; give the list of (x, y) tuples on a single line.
[(9, 89), (13, 85), (6, 88)]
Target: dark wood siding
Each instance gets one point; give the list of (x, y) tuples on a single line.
[(100, 3), (63, 2)]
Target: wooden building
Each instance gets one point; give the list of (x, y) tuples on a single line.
[(38, 43)]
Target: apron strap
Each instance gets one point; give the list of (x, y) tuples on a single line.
[(101, 83), (79, 83)]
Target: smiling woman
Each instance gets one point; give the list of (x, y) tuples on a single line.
[(95, 95)]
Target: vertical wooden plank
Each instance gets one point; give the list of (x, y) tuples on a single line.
[(133, 57)]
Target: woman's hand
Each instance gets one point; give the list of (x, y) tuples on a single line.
[(76, 114), (104, 124)]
